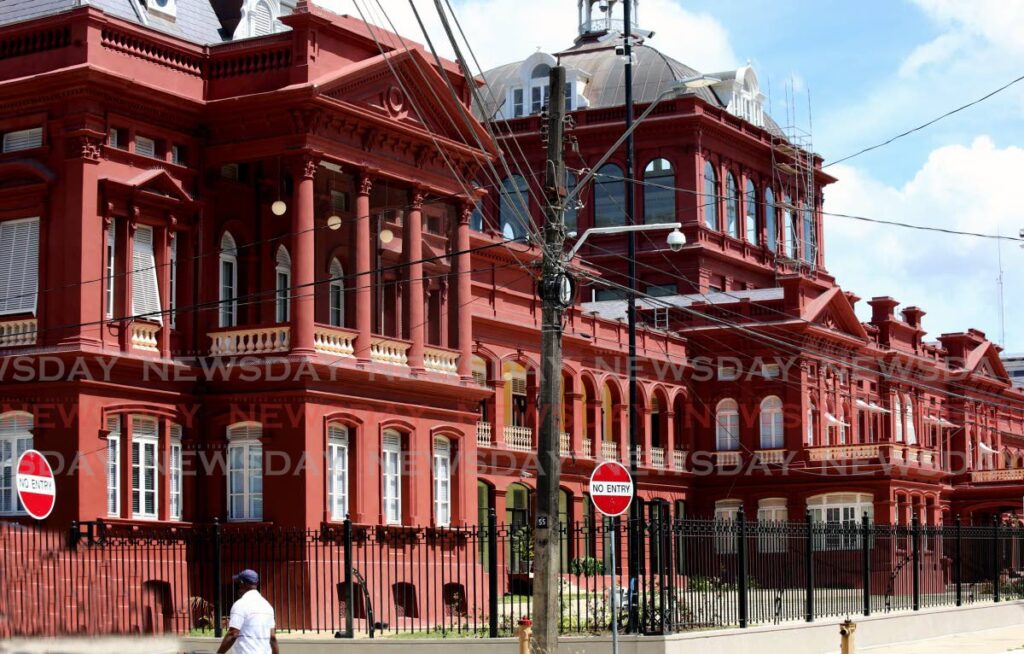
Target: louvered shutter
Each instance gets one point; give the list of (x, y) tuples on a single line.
[(19, 266), (262, 19), (175, 473), (145, 146), (337, 491), (392, 481), (23, 139), (114, 465), (145, 292), (144, 467)]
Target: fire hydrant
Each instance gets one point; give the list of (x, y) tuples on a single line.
[(525, 633), (846, 630)]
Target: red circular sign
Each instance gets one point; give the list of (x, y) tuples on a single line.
[(36, 488), (611, 488)]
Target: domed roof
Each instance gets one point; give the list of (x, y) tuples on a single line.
[(601, 69)]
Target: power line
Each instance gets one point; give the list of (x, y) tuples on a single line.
[(924, 125)]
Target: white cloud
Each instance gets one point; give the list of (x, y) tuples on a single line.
[(953, 278), (503, 31), (996, 21)]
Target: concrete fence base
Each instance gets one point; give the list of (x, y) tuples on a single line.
[(821, 637)]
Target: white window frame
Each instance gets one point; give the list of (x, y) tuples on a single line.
[(897, 415), (175, 476), (111, 269), (114, 466), (843, 509), (442, 482), (391, 477), (336, 294), (19, 266), (143, 472), (909, 430), (16, 438), (23, 139), (727, 426), (772, 423), (227, 293), (725, 515), (282, 285), (772, 512), (244, 438), (145, 286), (337, 475), (517, 101)]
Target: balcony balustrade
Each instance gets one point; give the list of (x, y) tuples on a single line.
[(678, 460), (259, 340), (143, 336), (771, 457), (563, 444), (844, 452), (731, 459), (610, 451), (483, 434), (441, 360), (334, 341), (389, 350), (658, 457), (519, 438), (14, 333), (988, 476), (588, 448)]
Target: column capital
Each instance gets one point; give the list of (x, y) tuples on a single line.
[(365, 182), (465, 213), (304, 164), (418, 195)]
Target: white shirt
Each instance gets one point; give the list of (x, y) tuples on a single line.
[(253, 616)]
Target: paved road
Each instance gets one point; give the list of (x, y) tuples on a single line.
[(1008, 639)]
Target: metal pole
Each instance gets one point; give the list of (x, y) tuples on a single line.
[(809, 570), (547, 532), (741, 566), (866, 560), (633, 535), (915, 552), (613, 598), (958, 563), (995, 558), (349, 594), (218, 582), (492, 572)]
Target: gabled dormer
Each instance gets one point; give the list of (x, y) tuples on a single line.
[(527, 93), (740, 91)]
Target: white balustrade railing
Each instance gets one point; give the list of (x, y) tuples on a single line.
[(386, 350), (483, 434), (1011, 474), (518, 438), (771, 457), (658, 457), (143, 336), (588, 448), (727, 458), (442, 361), (678, 459), (844, 452), (609, 451), (261, 340), (563, 443), (334, 341), (18, 332)]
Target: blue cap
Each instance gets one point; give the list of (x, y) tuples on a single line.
[(247, 577)]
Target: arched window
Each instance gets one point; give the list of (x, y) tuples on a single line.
[(727, 425), (911, 431), (789, 224), (571, 209), (261, 19), (15, 440), (228, 281), (283, 285), (710, 196), (771, 423), (514, 211), (609, 197), (442, 482), (391, 473), (750, 204), (337, 466), (810, 246), (659, 198), (337, 294), (732, 206), (245, 471), (145, 464), (897, 417), (771, 227)]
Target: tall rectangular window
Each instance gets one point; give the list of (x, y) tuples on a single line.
[(19, 265), (517, 103), (15, 440), (337, 478), (172, 292), (145, 292), (23, 139), (228, 284), (144, 468), (114, 466), (245, 472), (442, 482), (175, 474), (391, 464), (111, 268)]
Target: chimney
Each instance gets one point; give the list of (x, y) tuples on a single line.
[(882, 308), (912, 316)]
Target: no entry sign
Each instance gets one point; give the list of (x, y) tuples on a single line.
[(611, 488), (36, 488)]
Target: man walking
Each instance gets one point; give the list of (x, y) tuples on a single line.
[(251, 627)]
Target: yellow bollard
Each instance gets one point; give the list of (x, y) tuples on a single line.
[(846, 630), (525, 633)]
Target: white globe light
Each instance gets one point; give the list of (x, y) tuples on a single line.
[(386, 236), (334, 223), (279, 207)]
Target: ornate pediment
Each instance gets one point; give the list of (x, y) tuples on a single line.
[(832, 310)]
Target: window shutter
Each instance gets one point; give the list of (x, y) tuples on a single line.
[(262, 20), (145, 146), (245, 432), (24, 139), (113, 465), (145, 292), (19, 266)]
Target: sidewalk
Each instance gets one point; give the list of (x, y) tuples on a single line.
[(1006, 639)]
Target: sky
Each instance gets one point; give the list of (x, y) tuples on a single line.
[(861, 72)]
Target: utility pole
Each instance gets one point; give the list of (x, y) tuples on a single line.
[(635, 512), (556, 290)]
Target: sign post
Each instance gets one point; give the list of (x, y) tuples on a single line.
[(611, 491), (34, 481)]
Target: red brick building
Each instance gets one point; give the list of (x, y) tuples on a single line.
[(260, 270)]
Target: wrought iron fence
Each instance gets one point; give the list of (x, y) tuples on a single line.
[(477, 581)]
